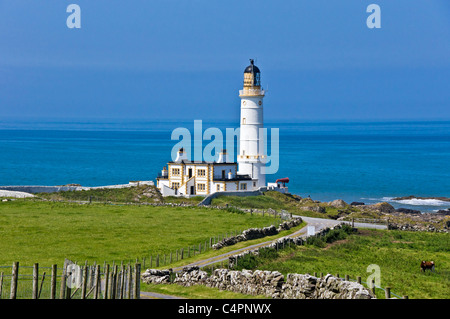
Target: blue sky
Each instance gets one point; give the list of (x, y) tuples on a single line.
[(184, 59)]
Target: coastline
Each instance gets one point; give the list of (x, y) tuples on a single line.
[(408, 204)]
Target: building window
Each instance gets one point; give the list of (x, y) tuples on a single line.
[(201, 187), (254, 184), (201, 172), (244, 120), (218, 188), (176, 171), (243, 187), (175, 185)]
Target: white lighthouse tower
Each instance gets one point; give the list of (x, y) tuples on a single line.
[(251, 149)]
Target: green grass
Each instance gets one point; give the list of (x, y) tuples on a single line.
[(397, 253), (48, 232), (132, 194), (117, 195), (279, 201)]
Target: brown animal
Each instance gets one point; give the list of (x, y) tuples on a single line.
[(424, 265)]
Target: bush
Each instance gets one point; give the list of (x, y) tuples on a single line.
[(317, 241), (249, 261), (234, 210)]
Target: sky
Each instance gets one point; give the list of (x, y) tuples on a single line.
[(184, 59)]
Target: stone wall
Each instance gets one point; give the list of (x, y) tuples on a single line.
[(255, 233), (271, 284), (279, 244)]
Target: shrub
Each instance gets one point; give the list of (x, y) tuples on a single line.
[(234, 210)]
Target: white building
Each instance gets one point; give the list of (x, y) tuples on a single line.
[(183, 177)]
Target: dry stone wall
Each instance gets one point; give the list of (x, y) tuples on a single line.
[(271, 284), (278, 244), (255, 233)]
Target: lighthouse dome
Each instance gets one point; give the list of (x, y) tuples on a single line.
[(252, 76), (252, 68)]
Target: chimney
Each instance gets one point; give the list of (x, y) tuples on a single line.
[(164, 172), (181, 155), (223, 157)]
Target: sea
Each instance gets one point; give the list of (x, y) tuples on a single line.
[(358, 161)]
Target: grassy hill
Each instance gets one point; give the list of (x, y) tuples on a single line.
[(288, 202), (397, 253)]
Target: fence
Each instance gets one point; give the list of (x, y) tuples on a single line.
[(167, 258), (71, 281)]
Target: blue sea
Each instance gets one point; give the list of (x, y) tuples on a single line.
[(355, 161)]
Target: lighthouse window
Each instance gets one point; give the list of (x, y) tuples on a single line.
[(175, 171), (243, 187), (243, 120), (201, 187)]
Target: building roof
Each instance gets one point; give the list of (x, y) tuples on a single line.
[(188, 162)]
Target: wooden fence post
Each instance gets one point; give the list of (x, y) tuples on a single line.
[(137, 281), (62, 291), (42, 284), (35, 289), (387, 293), (122, 282), (358, 279), (84, 283), (1, 284), (98, 282), (105, 296), (15, 275), (114, 282), (129, 282), (53, 282), (373, 286)]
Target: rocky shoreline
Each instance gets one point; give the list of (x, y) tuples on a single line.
[(444, 199), (402, 218)]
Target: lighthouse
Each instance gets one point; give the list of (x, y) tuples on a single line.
[(251, 148)]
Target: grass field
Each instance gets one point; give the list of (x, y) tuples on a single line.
[(48, 232), (398, 253)]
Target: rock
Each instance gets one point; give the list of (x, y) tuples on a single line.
[(443, 211), (408, 211), (316, 209), (357, 204), (382, 207), (338, 203)]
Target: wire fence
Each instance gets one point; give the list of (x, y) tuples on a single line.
[(71, 281)]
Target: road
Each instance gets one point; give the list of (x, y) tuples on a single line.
[(318, 223)]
